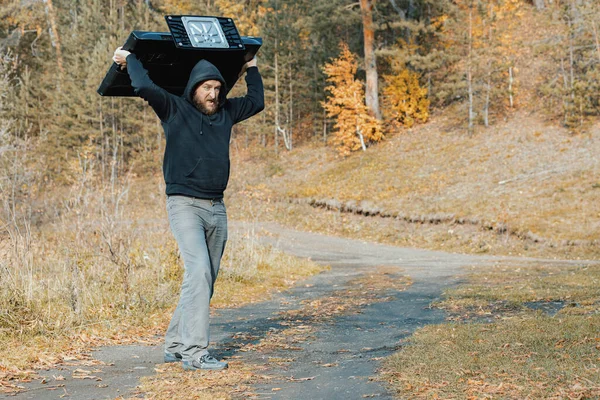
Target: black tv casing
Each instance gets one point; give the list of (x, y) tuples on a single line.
[(169, 67)]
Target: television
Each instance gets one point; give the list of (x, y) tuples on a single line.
[(170, 56)]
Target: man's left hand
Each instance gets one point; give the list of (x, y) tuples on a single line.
[(251, 63)]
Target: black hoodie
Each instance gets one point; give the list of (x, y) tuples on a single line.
[(196, 160)]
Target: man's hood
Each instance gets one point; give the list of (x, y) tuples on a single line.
[(204, 71)]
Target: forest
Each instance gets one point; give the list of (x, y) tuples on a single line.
[(80, 174), (415, 57)]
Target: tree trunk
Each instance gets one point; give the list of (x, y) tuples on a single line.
[(470, 74), (324, 126), (510, 87), (490, 64), (571, 61), (54, 34), (595, 30), (276, 101), (488, 91), (372, 99), (400, 11), (285, 133), (263, 133), (360, 137), (291, 109), (566, 90)]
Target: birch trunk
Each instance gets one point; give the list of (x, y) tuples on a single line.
[(276, 101), (539, 4), (510, 86), (470, 75), (54, 34)]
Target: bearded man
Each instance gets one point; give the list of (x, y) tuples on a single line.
[(197, 128)]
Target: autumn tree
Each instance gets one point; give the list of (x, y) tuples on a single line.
[(572, 87), (62, 110), (283, 72), (462, 50), (246, 14), (354, 127), (413, 33), (322, 24), (405, 99)]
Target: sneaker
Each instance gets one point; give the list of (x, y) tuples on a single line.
[(204, 362), (172, 357)]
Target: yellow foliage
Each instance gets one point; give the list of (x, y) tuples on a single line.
[(246, 14), (177, 7), (354, 127), (405, 99)]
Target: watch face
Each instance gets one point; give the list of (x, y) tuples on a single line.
[(205, 32)]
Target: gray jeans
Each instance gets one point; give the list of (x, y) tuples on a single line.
[(200, 228)]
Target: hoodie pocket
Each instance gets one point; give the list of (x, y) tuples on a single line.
[(209, 173)]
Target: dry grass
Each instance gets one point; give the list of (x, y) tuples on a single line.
[(171, 383), (535, 357), (251, 271), (522, 187), (524, 353), (107, 271), (510, 289)]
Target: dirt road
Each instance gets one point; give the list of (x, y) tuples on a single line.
[(306, 353)]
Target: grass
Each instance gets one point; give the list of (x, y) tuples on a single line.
[(170, 383), (251, 271), (519, 352), (576, 287), (107, 271), (522, 187), (534, 357)]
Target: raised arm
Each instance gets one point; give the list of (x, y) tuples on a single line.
[(159, 99), (253, 102)]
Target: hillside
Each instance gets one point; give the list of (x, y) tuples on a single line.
[(525, 185), (521, 187)]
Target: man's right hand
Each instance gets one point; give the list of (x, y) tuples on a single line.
[(120, 57)]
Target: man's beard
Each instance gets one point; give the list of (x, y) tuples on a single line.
[(204, 109)]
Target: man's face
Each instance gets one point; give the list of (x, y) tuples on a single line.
[(206, 96)]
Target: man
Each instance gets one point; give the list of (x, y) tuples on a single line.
[(197, 128)]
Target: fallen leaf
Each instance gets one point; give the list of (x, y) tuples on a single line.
[(79, 371), (82, 374), (84, 377), (310, 378)]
